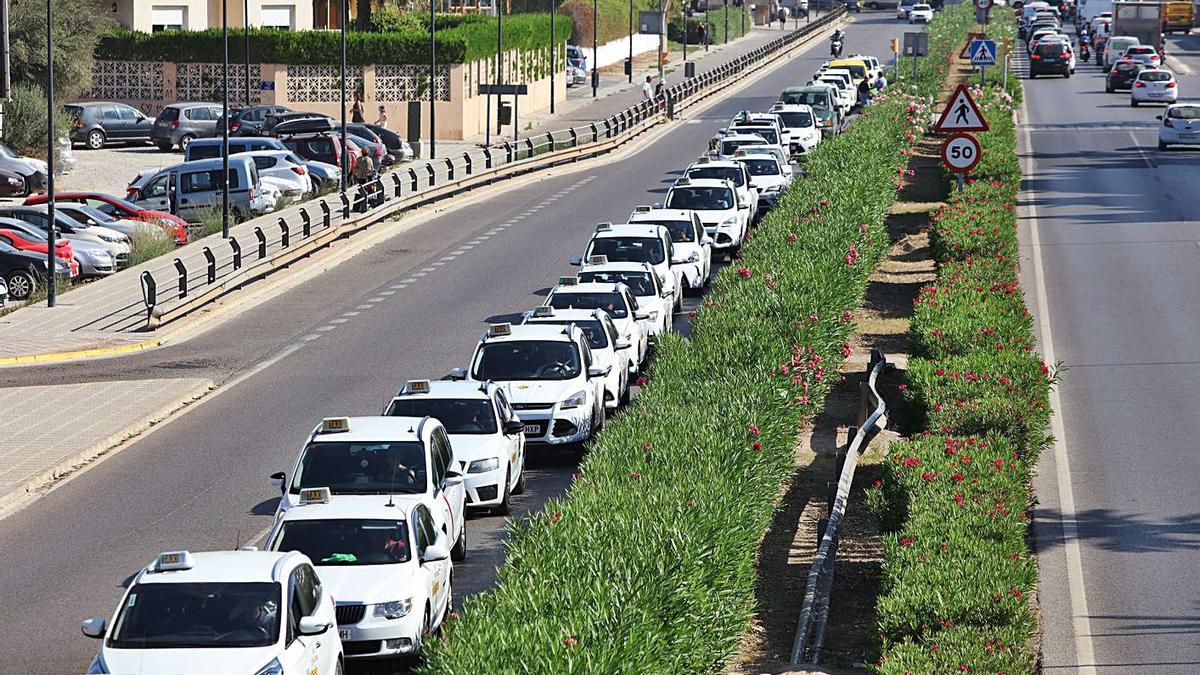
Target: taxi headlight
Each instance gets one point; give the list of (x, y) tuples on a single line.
[(272, 668), (483, 465), (729, 221), (574, 400), (393, 610)]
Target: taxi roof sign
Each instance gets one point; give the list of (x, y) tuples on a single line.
[(683, 181), (499, 329), (318, 495), (173, 560), (543, 311), (416, 387), (603, 227), (568, 281), (598, 260), (642, 208), (703, 160), (335, 425)]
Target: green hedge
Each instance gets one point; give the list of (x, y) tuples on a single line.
[(648, 563), (459, 41), (957, 573)]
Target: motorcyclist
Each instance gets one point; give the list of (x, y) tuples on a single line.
[(835, 42)]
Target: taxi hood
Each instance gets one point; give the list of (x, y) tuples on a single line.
[(541, 391), (368, 584), (470, 447), (187, 661)]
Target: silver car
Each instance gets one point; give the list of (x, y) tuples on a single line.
[(88, 215), (94, 259), (180, 123), (114, 242)]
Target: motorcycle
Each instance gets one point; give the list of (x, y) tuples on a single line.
[(1084, 53), (835, 48)]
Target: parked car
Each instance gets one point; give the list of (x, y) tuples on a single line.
[(286, 169), (377, 151), (99, 251), (12, 184), (99, 123), (87, 215), (396, 144), (23, 236), (22, 272), (1154, 85), (181, 123), (1121, 76), (322, 174), (321, 147), (190, 189), (249, 121), (1180, 125), (822, 98), (275, 119), (379, 147), (30, 169), (577, 65), (210, 148), (171, 224)]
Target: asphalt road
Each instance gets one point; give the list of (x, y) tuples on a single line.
[(1120, 254), (340, 343)]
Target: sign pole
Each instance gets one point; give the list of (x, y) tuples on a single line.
[(961, 180)]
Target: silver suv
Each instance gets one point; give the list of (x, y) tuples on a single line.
[(180, 123)]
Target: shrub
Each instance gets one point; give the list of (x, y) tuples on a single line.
[(147, 245), (25, 120)]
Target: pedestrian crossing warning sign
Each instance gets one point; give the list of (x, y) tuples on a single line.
[(961, 114)]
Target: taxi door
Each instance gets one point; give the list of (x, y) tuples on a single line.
[(433, 576), (301, 653), (514, 443), (449, 492)]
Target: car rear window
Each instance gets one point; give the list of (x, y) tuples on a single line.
[(1154, 76), (203, 151), (1139, 50), (1050, 48), (75, 111), (1189, 112), (169, 114)]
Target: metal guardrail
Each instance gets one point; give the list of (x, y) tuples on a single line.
[(814, 612), (274, 240)]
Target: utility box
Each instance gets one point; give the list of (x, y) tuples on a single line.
[(504, 113), (689, 69), (916, 44), (414, 127), (651, 23)]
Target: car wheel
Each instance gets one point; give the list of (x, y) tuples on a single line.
[(503, 507), (459, 552), (165, 147), (1133, 102), (1067, 74), (21, 284), (95, 139), (185, 140), (1162, 146), (519, 488), (341, 666), (872, 5), (1032, 75), (626, 393)]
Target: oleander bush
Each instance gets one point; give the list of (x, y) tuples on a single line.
[(954, 498), (647, 564)]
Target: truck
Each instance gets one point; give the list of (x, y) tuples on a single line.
[(1090, 9), (1142, 20), (1178, 16)]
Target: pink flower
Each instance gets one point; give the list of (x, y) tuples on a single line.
[(907, 541), (903, 387), (754, 429), (641, 381), (635, 475), (757, 446), (571, 641), (745, 272)]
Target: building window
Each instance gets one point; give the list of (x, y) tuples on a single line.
[(327, 14), (168, 18), (278, 16)]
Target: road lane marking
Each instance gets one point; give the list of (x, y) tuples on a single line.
[(419, 274), (325, 329), (311, 337), (1085, 654), (376, 299), (1141, 151), (428, 269), (362, 307), (338, 320), (387, 293)]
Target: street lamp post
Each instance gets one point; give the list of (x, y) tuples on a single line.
[(432, 81), (725, 37), (630, 41), (743, 17), (553, 55), (595, 49), (499, 58), (51, 260), (224, 116), (246, 49), (686, 12), (346, 160)]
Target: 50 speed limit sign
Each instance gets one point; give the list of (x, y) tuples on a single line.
[(960, 152)]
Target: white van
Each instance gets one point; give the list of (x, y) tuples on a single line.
[(191, 189)]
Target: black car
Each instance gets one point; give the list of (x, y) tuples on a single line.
[(1050, 58), (99, 123), (22, 271), (249, 121), (274, 119), (1122, 75)]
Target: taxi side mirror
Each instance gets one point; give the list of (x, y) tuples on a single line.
[(457, 374), (706, 241), (455, 478), (678, 260), (1158, 117), (658, 205), (437, 551), (597, 371), (622, 343), (641, 315), (513, 427), (576, 260), (277, 479), (311, 625), (93, 628)]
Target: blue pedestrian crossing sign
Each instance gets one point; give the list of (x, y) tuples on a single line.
[(983, 52)]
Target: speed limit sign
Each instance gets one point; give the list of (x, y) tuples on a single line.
[(960, 152)]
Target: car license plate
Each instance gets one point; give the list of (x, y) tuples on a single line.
[(344, 633), (1190, 135), (533, 429)]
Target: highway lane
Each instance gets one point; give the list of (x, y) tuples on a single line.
[(1120, 255), (412, 307)]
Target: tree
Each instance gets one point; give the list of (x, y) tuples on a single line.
[(77, 27)]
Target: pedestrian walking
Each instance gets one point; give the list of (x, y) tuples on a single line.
[(783, 17), (356, 110), (382, 120), (648, 89), (660, 95)]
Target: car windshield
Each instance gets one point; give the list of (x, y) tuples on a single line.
[(347, 467), (629, 249), (116, 203), (459, 416), (682, 231), (700, 198), (794, 120), (346, 543), (592, 330), (199, 615), (1154, 76), (728, 148), (729, 173), (611, 302), (762, 167), (527, 360), (921, 8), (811, 98), (89, 212), (768, 134), (1184, 113), (641, 283), (6, 151)]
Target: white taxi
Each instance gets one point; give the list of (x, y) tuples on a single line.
[(766, 175), (801, 123), (553, 380), (725, 218), (253, 612), (383, 456), (487, 436), (692, 245), (726, 144), (632, 321), (732, 171), (641, 280), (607, 345), (747, 118), (639, 243), (384, 561)]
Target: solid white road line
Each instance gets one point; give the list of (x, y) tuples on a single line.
[(1085, 654)]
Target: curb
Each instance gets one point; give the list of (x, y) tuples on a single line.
[(44, 481), (79, 354)]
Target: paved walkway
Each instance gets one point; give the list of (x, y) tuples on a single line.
[(51, 430)]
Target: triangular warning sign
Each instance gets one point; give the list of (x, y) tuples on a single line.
[(966, 50), (961, 113)]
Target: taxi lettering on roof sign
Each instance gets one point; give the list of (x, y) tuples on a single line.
[(543, 311), (173, 560), (417, 387), (568, 281), (499, 329), (603, 227), (333, 425), (320, 495), (642, 208), (598, 260)]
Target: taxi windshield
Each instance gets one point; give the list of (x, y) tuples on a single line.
[(730, 173), (199, 615), (641, 283), (362, 467), (700, 199), (629, 249), (527, 360), (798, 119), (611, 302), (768, 134), (682, 231), (592, 330), (762, 167), (345, 543), (459, 416), (730, 147)]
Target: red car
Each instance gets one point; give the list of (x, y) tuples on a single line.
[(24, 240), (121, 208)]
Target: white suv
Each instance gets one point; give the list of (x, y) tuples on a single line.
[(725, 219)]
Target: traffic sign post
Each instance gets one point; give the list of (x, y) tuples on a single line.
[(982, 7), (961, 114), (983, 54), (960, 154)]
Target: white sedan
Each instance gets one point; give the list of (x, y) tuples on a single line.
[(1154, 85), (920, 13), (1180, 125)]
